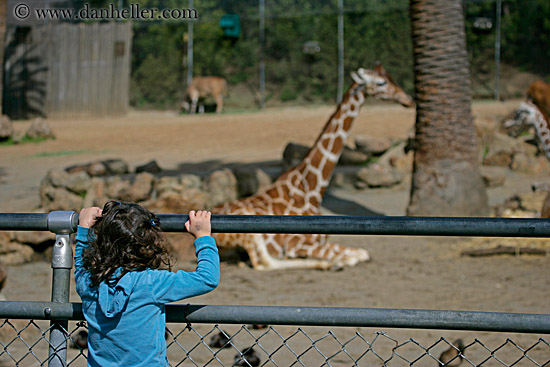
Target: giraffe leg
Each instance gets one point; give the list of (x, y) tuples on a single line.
[(317, 247), (262, 258)]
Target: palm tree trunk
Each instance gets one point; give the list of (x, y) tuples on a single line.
[(446, 179)]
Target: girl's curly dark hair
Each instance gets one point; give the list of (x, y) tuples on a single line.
[(128, 237)]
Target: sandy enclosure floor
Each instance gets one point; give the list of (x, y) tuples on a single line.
[(408, 273)]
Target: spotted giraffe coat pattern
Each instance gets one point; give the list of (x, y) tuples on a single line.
[(300, 190)]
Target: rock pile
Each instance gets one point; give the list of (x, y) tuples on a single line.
[(521, 154), (373, 162), (38, 129), (94, 183)]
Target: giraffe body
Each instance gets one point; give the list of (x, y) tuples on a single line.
[(300, 190)]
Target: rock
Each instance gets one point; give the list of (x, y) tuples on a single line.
[(493, 176), (399, 159), (532, 201), (77, 168), (352, 157), (55, 178), (116, 187), (168, 184), (250, 180), (486, 128), (17, 137), (6, 128), (264, 180), (151, 167), (92, 169), (528, 145), (141, 188), (96, 194), (501, 150), (293, 154), (344, 180), (78, 182), (115, 166), (178, 203), (12, 253), (34, 238), (525, 205), (378, 175), (60, 199), (40, 129), (189, 181), (95, 169), (222, 187), (540, 186), (523, 162), (371, 145)]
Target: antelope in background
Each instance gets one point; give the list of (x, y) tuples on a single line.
[(202, 87)]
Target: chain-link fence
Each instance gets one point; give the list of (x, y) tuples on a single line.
[(274, 52), (26, 343)]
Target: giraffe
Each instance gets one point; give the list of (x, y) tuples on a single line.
[(525, 116), (300, 190)]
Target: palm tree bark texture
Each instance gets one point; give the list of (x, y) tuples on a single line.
[(446, 179)]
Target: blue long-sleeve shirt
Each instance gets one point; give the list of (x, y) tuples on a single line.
[(126, 322)]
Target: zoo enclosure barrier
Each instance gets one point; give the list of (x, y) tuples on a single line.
[(196, 342)]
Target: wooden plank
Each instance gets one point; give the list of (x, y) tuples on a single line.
[(92, 106)]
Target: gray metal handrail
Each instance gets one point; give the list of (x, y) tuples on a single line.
[(351, 225), (308, 316)]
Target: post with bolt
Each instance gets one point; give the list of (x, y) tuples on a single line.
[(62, 224)]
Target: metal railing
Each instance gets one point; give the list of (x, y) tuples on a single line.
[(193, 342)]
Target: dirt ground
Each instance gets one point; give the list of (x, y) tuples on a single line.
[(408, 273)]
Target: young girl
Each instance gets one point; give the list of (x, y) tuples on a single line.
[(121, 275)]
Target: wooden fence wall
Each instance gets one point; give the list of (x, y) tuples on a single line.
[(67, 70)]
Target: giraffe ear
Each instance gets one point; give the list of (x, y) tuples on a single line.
[(380, 69), (356, 78)]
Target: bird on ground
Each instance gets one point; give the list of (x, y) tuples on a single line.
[(248, 357), (452, 357)]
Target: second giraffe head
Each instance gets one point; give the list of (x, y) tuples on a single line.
[(379, 84)]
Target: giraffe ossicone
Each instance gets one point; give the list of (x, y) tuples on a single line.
[(300, 190)]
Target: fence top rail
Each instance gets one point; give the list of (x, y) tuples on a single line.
[(307, 316), (349, 225)]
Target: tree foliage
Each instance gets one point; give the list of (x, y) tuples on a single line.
[(375, 30)]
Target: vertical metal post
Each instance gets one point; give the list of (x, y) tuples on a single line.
[(497, 49), (262, 53), (190, 47), (61, 223), (340, 51)]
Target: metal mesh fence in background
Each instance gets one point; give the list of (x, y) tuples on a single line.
[(306, 54), (25, 343)]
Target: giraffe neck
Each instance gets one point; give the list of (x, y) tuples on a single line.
[(314, 172), (542, 129)]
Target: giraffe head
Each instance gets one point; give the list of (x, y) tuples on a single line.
[(524, 117), (379, 84)]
